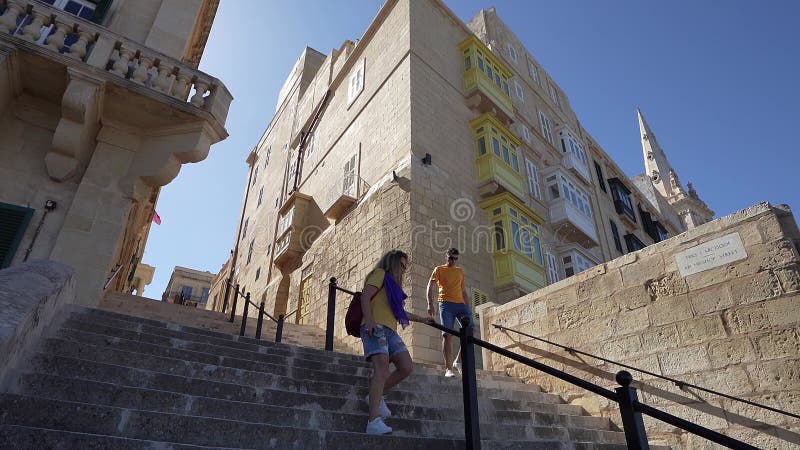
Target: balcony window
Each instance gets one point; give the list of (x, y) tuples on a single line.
[(615, 235), (533, 178), (552, 268), (622, 201), (633, 243), (574, 263), (512, 53), (356, 84), (518, 91), (653, 228), (533, 71), (267, 155), (600, 178), (255, 177), (517, 247), (547, 130), (524, 231), (553, 93), (81, 8), (497, 154), (204, 295), (558, 186), (260, 196), (250, 250), (186, 292), (569, 144), (484, 71), (526, 134), (244, 227)]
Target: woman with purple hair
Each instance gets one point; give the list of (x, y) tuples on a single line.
[(382, 303)]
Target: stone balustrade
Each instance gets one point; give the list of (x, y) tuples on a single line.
[(97, 46)]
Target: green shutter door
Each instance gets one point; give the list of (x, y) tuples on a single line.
[(13, 222)]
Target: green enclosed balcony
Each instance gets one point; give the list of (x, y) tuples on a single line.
[(497, 158)]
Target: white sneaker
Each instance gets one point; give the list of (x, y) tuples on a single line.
[(457, 368), (449, 373), (376, 426), (383, 409)]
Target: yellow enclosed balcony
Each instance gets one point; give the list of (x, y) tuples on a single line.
[(517, 249), (292, 220), (497, 158), (485, 79)]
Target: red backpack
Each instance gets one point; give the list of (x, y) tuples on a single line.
[(354, 316)]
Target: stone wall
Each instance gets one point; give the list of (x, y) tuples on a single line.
[(31, 295), (732, 328)]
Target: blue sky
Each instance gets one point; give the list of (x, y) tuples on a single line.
[(715, 79)]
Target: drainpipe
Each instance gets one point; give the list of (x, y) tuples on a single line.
[(49, 205)]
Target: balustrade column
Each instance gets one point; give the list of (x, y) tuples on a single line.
[(55, 41), (180, 89), (124, 57), (200, 89), (8, 21), (78, 49), (33, 31), (163, 81), (140, 72)]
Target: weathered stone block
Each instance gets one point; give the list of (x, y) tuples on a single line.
[(732, 380), (621, 349), (725, 352), (789, 278), (661, 338), (669, 310), (668, 285), (776, 375), (778, 344), (746, 319), (632, 297), (713, 299), (645, 269), (701, 329), (783, 311), (684, 360), (752, 289)]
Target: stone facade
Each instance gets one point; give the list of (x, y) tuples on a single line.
[(188, 287), (96, 116), (377, 145), (731, 328)]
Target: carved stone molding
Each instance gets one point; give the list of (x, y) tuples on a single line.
[(73, 140)]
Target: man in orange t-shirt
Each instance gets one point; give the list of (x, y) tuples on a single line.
[(452, 303)]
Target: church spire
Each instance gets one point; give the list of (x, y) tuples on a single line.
[(655, 161), (692, 210)]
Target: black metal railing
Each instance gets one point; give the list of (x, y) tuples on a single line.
[(261, 314), (625, 396), (680, 384)]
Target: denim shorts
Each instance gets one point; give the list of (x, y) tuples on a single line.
[(385, 341), (448, 311)]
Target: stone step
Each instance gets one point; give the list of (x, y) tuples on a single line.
[(348, 419), (31, 438), (196, 430), (239, 385), (114, 319), (270, 363)]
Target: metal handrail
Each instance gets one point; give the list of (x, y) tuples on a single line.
[(261, 313), (680, 384), (625, 396)]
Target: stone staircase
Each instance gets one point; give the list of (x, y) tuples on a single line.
[(110, 380)]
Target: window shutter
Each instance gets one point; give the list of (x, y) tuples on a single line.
[(478, 298), (13, 222), (101, 10)]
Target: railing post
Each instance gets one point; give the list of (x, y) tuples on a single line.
[(279, 331), (227, 294), (331, 314), (244, 314), (632, 422), (235, 300), (472, 430), (260, 320)]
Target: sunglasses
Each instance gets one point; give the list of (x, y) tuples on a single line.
[(454, 258)]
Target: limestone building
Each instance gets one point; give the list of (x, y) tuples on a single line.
[(428, 133), (101, 103), (188, 287)]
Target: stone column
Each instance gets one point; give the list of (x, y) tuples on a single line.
[(93, 229)]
